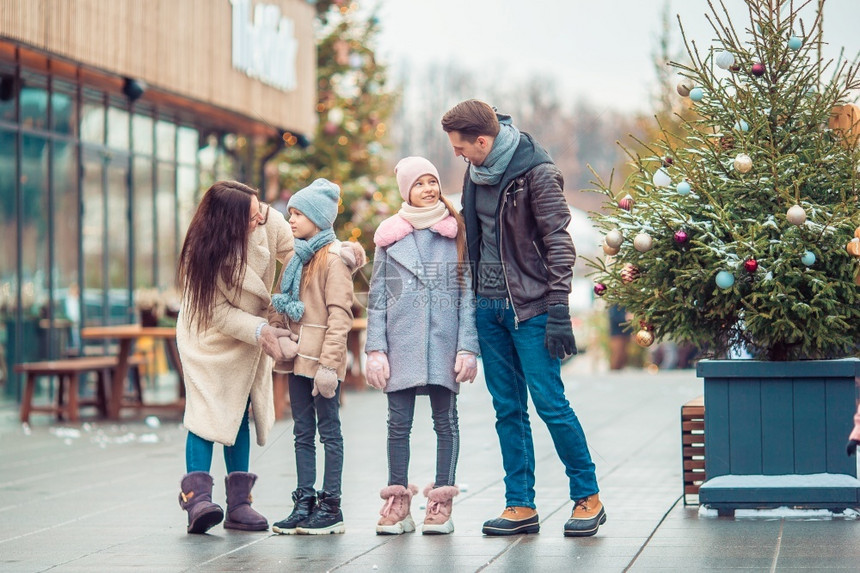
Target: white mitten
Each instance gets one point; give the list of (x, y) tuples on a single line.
[(376, 371), (325, 382)]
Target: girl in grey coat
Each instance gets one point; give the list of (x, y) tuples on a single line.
[(421, 338)]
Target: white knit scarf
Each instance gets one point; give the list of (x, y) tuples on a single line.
[(423, 217)]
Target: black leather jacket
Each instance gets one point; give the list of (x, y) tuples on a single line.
[(532, 216)]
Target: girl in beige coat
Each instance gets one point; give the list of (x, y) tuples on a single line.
[(315, 301), (226, 269)]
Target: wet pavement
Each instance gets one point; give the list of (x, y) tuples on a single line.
[(99, 496)]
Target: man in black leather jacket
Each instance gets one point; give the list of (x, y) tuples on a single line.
[(516, 229)]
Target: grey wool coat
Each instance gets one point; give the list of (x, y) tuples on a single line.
[(419, 313)]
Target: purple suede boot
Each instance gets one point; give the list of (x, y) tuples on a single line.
[(196, 499), (240, 515)]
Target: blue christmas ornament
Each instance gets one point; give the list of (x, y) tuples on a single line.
[(741, 125), (795, 42), (808, 258), (725, 279), (696, 94), (683, 188)]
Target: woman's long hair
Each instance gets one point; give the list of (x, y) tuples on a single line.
[(216, 245)]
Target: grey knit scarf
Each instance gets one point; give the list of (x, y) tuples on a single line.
[(491, 170)]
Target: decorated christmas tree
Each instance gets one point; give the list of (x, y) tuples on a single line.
[(742, 232), (354, 106)]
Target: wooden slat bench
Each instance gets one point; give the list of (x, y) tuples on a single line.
[(67, 371), (693, 446)]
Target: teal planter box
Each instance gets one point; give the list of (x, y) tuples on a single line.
[(775, 434)]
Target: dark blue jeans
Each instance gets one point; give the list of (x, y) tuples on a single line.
[(516, 364), (401, 410), (198, 452), (309, 414)]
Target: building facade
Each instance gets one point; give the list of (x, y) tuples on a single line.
[(115, 115)]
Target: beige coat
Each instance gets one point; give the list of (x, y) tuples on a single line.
[(224, 365), (327, 320)]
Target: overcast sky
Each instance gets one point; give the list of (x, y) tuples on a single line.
[(599, 49)]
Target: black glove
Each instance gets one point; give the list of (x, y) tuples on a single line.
[(851, 447), (559, 333)]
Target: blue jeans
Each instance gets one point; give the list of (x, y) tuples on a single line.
[(198, 452), (516, 364)]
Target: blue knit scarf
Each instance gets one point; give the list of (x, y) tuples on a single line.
[(288, 301), (491, 170)]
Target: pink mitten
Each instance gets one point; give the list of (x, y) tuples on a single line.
[(377, 371), (289, 347)]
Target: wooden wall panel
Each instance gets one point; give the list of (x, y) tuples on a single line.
[(180, 46)]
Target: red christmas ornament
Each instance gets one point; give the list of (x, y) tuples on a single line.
[(626, 203), (600, 289), (667, 161), (734, 68), (751, 265), (757, 70), (681, 237)]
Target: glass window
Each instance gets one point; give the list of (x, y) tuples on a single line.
[(142, 132), (92, 229), (186, 197), (34, 107), (8, 224), (165, 140), (66, 294), (63, 112), (66, 220), (117, 220), (187, 145), (165, 206), (93, 122), (34, 225), (8, 93), (117, 128), (144, 223)]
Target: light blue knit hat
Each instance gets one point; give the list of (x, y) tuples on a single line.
[(318, 202)]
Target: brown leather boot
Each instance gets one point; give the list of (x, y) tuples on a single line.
[(513, 520), (587, 516)]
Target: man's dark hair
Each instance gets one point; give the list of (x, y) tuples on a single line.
[(471, 119)]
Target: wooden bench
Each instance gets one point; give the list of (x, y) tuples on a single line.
[(693, 446), (67, 371)]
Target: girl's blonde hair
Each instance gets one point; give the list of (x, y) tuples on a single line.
[(314, 266)]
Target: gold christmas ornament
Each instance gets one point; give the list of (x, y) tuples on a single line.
[(642, 242), (614, 238), (796, 215), (644, 338), (684, 87), (743, 163), (611, 251)]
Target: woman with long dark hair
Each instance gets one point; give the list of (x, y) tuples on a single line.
[(226, 271)]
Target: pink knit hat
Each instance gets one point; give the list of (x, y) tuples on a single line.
[(409, 170)]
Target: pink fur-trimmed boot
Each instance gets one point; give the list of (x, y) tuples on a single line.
[(440, 501), (396, 517)]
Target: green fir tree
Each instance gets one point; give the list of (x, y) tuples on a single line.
[(737, 232), (355, 104)]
